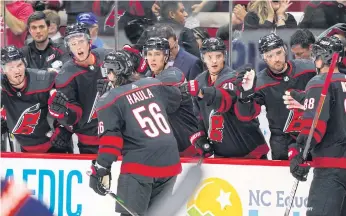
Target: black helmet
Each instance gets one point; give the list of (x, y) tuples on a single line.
[(212, 45), (156, 43), (119, 63), (269, 42), (326, 47), (201, 33), (339, 28), (11, 53), (135, 28), (77, 28)]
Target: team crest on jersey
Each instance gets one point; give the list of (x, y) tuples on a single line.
[(51, 57), (28, 120), (216, 125)]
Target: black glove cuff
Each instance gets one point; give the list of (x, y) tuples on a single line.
[(209, 94), (246, 96)]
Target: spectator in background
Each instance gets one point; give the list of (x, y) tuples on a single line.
[(324, 14), (42, 52), (269, 14), (53, 29), (173, 13), (90, 20), (179, 58), (237, 17), (301, 44), (14, 21)]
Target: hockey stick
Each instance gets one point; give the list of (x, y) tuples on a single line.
[(314, 124), (121, 202)]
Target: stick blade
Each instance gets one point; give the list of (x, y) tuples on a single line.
[(170, 204)]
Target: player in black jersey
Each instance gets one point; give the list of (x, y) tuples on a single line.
[(267, 88), (76, 97), (156, 51), (230, 136), (24, 102), (328, 144), (133, 122)]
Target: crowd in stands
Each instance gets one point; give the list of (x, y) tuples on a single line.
[(38, 29)]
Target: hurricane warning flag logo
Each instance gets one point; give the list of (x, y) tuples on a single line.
[(215, 197)]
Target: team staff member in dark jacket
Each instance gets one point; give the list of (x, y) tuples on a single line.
[(173, 13), (328, 143), (323, 14), (268, 87), (230, 136), (24, 95), (133, 122), (76, 96), (42, 52)]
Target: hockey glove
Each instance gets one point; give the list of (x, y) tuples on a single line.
[(246, 82), (61, 138), (103, 86), (202, 144), (57, 105), (139, 63), (100, 178), (190, 87), (299, 168)]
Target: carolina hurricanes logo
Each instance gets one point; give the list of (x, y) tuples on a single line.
[(28, 120), (109, 21)]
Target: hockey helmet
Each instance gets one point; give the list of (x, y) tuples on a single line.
[(135, 28), (213, 44), (11, 53), (201, 33), (75, 30), (326, 47), (269, 42), (339, 28), (156, 43), (119, 63)]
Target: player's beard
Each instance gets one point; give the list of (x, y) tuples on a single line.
[(278, 67)]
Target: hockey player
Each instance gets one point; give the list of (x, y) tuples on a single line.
[(24, 95), (268, 87), (183, 121), (230, 136), (328, 143), (76, 96), (16, 201), (133, 122)]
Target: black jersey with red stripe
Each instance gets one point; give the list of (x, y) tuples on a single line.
[(183, 120), (269, 91), (26, 109), (133, 122), (328, 144), (238, 139), (78, 83)]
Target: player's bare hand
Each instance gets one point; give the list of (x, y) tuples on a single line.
[(155, 9), (291, 102)]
